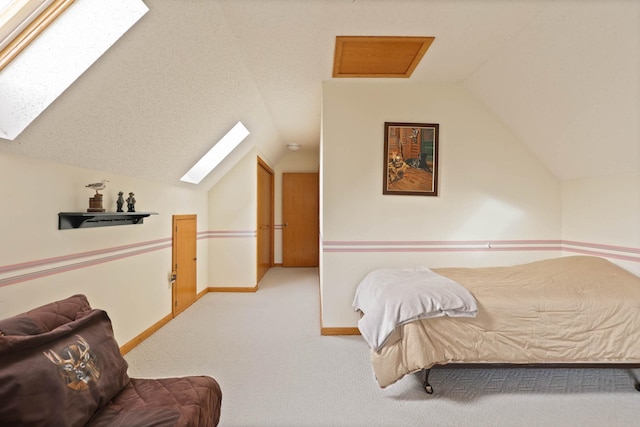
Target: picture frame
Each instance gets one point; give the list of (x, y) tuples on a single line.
[(411, 152)]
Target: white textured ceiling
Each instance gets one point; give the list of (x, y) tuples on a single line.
[(563, 75)]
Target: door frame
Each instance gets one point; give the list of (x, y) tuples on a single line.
[(263, 165)]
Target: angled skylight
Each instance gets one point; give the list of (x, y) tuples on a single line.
[(218, 152), (58, 56), (21, 21)]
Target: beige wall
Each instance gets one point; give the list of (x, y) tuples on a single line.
[(232, 226), (601, 216), (492, 190), (122, 269)]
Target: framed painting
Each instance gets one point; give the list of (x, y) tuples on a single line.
[(411, 159)]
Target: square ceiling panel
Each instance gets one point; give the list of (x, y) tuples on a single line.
[(384, 56)]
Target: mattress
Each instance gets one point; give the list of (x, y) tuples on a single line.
[(576, 309)]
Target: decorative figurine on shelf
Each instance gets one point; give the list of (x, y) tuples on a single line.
[(98, 185), (131, 203), (95, 202), (120, 202)]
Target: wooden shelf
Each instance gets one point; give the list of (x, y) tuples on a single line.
[(68, 220)]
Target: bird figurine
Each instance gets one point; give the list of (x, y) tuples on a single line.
[(98, 185)]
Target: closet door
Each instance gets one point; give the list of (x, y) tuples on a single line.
[(300, 219), (184, 262)]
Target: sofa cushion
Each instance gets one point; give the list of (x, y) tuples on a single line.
[(63, 376), (188, 401), (45, 318)]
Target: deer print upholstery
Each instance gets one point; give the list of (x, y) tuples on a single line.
[(61, 366)]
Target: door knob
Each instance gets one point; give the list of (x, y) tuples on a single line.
[(285, 224)]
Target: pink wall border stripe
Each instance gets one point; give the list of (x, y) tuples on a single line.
[(373, 246), (76, 266), (599, 246), (71, 257), (438, 242), (225, 234), (138, 249), (376, 246), (479, 249)]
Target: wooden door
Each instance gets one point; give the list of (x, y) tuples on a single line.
[(184, 262), (300, 219), (265, 219)]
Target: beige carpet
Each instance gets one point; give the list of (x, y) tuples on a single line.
[(275, 369)]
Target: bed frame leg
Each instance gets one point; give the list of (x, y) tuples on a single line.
[(636, 382), (425, 382), (634, 377)]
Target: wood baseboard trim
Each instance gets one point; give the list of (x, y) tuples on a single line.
[(145, 334), (232, 289), (339, 331), (148, 332)]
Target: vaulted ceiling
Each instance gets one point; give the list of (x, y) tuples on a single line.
[(563, 76)]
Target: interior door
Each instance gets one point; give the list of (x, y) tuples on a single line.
[(300, 219), (265, 219), (184, 262)]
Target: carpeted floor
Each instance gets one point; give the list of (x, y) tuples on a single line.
[(275, 369)]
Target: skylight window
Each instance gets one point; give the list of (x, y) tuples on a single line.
[(21, 21), (217, 154)]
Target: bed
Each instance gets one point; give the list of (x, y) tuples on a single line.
[(578, 311)]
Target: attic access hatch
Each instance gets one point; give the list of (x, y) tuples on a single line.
[(384, 56)]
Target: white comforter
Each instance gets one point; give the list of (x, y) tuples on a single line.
[(389, 298)]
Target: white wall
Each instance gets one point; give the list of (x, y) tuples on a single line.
[(232, 226), (122, 269), (492, 190), (601, 216)]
